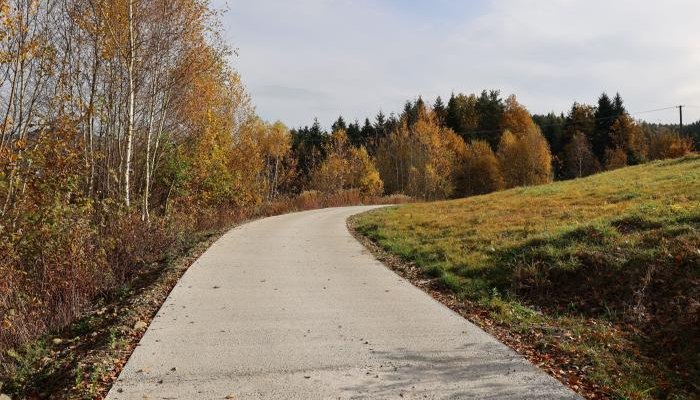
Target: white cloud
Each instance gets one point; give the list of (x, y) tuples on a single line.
[(323, 58)]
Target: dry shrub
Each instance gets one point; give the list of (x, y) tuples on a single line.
[(308, 199), (615, 158), (343, 198), (667, 144), (277, 207), (52, 271), (130, 243)]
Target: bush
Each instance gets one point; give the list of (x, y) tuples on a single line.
[(667, 144)]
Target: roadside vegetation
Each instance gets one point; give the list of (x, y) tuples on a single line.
[(600, 274), (124, 135)]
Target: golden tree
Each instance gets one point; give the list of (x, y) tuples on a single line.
[(276, 148), (345, 168), (525, 159), (420, 160), (516, 118), (482, 173), (627, 135)]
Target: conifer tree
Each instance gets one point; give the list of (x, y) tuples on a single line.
[(618, 106), (380, 125), (490, 109), (462, 116), (367, 133), (605, 116), (339, 125), (452, 114), (552, 127), (440, 111), (355, 133)]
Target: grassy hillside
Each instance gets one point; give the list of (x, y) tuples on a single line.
[(603, 272)]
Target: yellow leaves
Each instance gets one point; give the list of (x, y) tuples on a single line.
[(525, 159), (20, 144), (516, 118), (420, 160), (346, 167), (5, 20)]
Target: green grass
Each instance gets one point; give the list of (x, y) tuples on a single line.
[(621, 249)]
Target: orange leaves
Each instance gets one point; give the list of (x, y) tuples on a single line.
[(667, 144), (516, 118), (627, 135), (525, 158)]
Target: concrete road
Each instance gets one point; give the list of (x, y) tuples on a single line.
[(293, 307)]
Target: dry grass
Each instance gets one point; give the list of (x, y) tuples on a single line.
[(605, 269)]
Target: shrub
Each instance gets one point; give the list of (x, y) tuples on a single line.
[(667, 144)]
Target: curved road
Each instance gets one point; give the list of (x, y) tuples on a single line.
[(292, 307)]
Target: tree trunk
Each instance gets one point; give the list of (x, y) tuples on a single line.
[(130, 115)]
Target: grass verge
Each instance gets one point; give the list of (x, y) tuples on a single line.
[(596, 280)]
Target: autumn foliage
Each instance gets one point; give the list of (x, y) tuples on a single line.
[(482, 172), (124, 130), (420, 159), (345, 168)]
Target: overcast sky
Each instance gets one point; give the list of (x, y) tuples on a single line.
[(302, 59)]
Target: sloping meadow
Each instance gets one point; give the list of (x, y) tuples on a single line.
[(606, 269)]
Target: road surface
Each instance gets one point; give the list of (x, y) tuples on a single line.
[(293, 307)]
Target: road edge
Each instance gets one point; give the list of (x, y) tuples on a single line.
[(467, 310)]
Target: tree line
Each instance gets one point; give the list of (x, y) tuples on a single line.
[(475, 144)]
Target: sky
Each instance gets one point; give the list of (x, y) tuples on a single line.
[(302, 59)]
